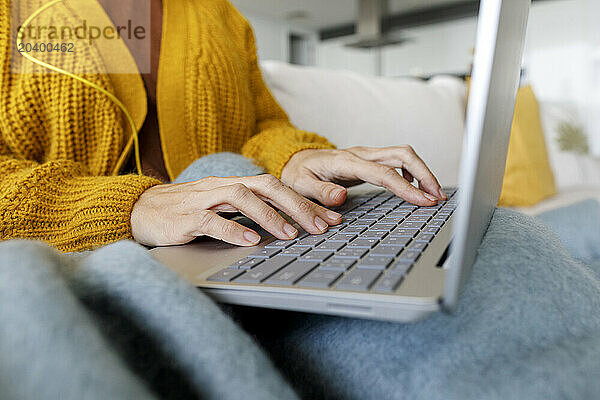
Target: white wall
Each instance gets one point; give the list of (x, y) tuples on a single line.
[(562, 55), (272, 37)]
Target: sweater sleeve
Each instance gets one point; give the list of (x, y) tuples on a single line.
[(275, 140), (60, 203)]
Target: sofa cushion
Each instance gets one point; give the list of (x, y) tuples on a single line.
[(351, 109), (571, 170), (528, 178)]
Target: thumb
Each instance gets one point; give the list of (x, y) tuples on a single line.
[(327, 193)]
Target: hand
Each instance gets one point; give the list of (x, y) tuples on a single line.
[(175, 214), (325, 174)]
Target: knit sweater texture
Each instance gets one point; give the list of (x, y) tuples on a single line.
[(61, 141)]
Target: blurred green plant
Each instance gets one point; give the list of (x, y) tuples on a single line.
[(572, 137)]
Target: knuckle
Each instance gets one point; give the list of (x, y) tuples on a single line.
[(238, 191), (204, 219), (271, 216), (228, 230), (270, 182), (327, 190), (389, 173), (409, 149), (345, 156), (304, 206)]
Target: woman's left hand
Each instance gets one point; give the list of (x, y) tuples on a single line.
[(324, 174)]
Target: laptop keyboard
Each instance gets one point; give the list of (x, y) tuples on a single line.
[(379, 240)]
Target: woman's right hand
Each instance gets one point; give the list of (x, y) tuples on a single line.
[(176, 214)]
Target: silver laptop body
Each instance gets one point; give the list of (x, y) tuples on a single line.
[(434, 281)]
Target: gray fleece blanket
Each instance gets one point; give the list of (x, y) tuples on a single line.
[(115, 324)]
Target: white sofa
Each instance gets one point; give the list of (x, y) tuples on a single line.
[(350, 109)]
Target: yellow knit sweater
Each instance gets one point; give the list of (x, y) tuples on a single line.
[(60, 140)]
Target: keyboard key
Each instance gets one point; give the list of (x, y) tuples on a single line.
[(263, 271), (294, 251), (382, 227), (310, 241), (431, 229), (342, 237), (406, 206), (411, 225), (404, 232), (354, 229), (292, 273), (338, 264), (388, 283), (410, 255), (385, 207), (355, 253), (418, 218), (417, 246), (364, 222), (358, 280), (330, 246), (320, 278), (336, 228), (425, 237), (400, 268), (280, 244), (390, 251), (390, 221), (437, 222), (424, 211), (355, 214), (399, 213), (264, 253), (363, 243), (369, 234), (239, 263), (395, 241), (225, 275), (316, 256), (375, 262), (443, 215), (253, 262)]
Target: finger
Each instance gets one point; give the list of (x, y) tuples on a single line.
[(242, 198), (326, 193), (312, 217), (208, 223), (386, 177), (406, 158)]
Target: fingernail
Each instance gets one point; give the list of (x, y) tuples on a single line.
[(251, 237), (333, 215), (290, 230), (321, 225), (430, 197), (443, 194)]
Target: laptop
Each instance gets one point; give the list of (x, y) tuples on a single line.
[(388, 260)]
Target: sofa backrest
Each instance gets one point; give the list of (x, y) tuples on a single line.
[(350, 110)]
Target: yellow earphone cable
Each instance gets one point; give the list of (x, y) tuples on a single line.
[(112, 97)]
